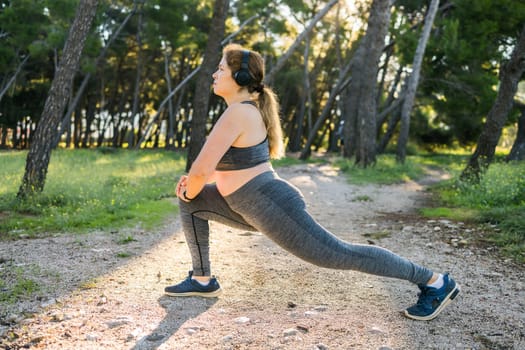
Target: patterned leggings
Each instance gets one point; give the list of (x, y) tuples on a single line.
[(276, 208)]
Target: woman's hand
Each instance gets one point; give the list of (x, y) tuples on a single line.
[(181, 187)]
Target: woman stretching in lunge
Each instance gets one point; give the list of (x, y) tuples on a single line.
[(232, 182)]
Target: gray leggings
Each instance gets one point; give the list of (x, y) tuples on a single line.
[(276, 208)]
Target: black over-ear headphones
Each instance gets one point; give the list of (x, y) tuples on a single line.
[(243, 76)]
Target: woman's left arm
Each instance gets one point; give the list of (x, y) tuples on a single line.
[(224, 133)]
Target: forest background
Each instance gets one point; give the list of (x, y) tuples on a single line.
[(385, 77)]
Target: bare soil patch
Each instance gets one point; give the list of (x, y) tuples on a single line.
[(98, 293)]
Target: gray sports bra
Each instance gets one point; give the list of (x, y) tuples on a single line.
[(237, 158)]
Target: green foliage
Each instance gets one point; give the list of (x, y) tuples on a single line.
[(450, 213), (498, 199), (126, 239), (19, 19), (90, 190), (179, 22), (509, 234), (460, 73), (123, 255), (19, 33), (503, 185), (22, 288), (362, 198), (14, 284), (458, 82)]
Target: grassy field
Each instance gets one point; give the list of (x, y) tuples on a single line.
[(90, 189), (108, 189)]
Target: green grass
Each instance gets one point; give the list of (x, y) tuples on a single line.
[(15, 284), (362, 198), (388, 171), (498, 201), (126, 239), (90, 189), (22, 288), (289, 161)]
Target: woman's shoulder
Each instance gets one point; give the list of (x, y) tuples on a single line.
[(242, 111)]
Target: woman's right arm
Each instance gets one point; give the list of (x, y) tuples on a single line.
[(224, 133)]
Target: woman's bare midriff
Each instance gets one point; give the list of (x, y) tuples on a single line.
[(230, 181)]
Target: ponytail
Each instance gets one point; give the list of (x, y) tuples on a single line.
[(269, 108)]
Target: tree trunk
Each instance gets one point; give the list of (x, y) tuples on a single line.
[(87, 76), (391, 127), (390, 100), (384, 73), (348, 122), (170, 130), (3, 139), (67, 130), (202, 88), (518, 148), (37, 161), (135, 114), (77, 127), (413, 81), (90, 117), (297, 129), (510, 75), (362, 107)]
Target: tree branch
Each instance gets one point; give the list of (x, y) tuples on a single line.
[(13, 78), (282, 60)]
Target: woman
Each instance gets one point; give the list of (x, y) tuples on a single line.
[(232, 182)]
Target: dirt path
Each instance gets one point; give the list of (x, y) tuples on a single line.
[(94, 299)]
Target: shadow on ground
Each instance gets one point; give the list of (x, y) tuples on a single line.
[(176, 315)]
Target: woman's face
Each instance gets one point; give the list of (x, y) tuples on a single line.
[(223, 82)]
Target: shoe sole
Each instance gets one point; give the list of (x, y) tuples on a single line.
[(448, 299), (213, 294)]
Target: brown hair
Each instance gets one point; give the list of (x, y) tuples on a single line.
[(266, 101)]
